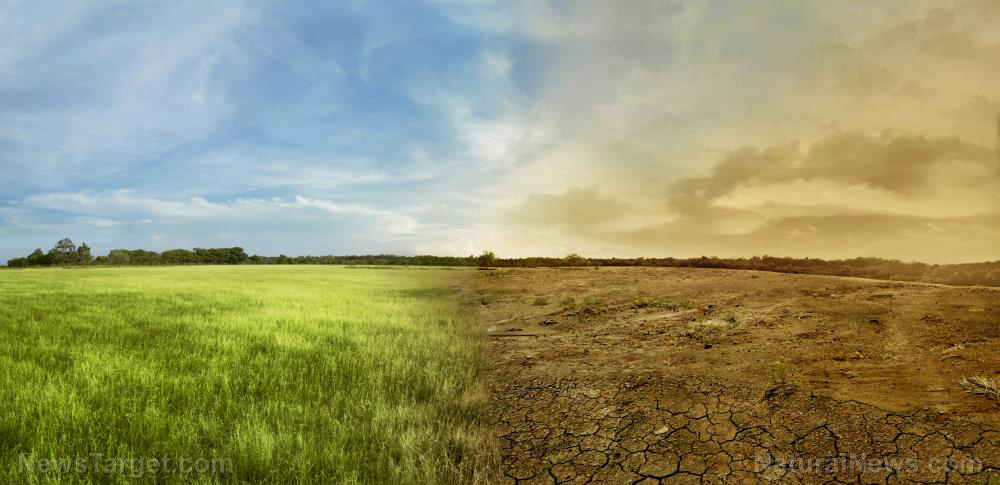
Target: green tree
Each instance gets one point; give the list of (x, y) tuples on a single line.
[(178, 256), (143, 257), (38, 258), (118, 257), (83, 255), (64, 252)]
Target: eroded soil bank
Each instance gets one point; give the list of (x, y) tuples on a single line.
[(629, 375)]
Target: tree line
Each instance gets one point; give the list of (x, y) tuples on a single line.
[(65, 253), (982, 274)]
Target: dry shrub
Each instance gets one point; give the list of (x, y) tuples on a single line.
[(983, 386)]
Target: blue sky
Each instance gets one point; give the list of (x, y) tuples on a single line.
[(528, 127), (309, 127)]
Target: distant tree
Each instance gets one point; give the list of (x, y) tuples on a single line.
[(959, 278), (234, 255), (486, 259), (38, 258), (83, 255), (143, 257), (64, 252), (992, 278), (237, 255), (977, 277), (574, 259), (101, 260), (178, 256), (119, 257), (17, 263)]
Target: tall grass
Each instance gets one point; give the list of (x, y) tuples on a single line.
[(294, 374)]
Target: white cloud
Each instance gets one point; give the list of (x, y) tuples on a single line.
[(131, 90), (387, 221), (94, 207)]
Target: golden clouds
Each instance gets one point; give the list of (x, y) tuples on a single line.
[(902, 165), (883, 141)]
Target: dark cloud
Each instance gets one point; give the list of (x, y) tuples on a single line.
[(914, 90), (978, 109), (897, 164), (939, 33), (901, 166)]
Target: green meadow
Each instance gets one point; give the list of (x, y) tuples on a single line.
[(259, 374)]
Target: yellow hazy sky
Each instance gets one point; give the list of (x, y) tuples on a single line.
[(734, 128)]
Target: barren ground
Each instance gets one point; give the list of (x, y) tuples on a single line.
[(646, 375)]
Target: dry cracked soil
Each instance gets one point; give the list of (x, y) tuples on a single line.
[(666, 375)]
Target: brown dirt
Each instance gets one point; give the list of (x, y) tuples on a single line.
[(647, 375)]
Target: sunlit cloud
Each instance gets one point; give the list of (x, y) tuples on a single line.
[(770, 128)]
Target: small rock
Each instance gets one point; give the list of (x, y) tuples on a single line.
[(708, 346), (549, 322)]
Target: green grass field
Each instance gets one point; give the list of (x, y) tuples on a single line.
[(311, 374)]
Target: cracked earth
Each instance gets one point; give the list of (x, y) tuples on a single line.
[(662, 375)]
